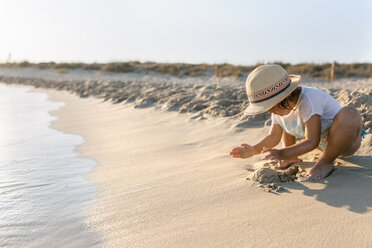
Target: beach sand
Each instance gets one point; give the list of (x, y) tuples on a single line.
[(166, 180)]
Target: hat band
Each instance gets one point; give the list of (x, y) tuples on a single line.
[(270, 92)]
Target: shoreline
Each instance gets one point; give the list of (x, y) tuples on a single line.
[(186, 191), (43, 194)]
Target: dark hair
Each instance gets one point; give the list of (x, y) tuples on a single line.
[(284, 104)]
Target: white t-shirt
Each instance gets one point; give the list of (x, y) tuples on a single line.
[(310, 102)]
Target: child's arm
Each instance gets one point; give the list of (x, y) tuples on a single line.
[(311, 141), (271, 140)]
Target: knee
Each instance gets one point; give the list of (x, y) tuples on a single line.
[(353, 148), (349, 116)]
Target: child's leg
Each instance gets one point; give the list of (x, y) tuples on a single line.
[(288, 140), (344, 139)]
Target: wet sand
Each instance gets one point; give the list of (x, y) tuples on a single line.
[(42, 191)]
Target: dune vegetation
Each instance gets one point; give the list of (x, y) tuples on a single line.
[(360, 70)]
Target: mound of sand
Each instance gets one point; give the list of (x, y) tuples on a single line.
[(271, 177), (207, 100)]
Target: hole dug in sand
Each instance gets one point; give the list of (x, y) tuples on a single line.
[(271, 177)]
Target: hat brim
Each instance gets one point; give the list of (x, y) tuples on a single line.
[(259, 108)]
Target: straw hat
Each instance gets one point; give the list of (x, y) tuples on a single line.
[(268, 85)]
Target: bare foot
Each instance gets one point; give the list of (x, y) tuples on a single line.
[(285, 163), (320, 170)]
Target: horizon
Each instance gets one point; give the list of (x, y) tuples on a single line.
[(193, 32)]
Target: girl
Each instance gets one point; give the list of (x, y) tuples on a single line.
[(299, 112)]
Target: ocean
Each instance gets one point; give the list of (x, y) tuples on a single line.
[(43, 191)]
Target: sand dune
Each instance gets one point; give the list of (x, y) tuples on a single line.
[(208, 96)]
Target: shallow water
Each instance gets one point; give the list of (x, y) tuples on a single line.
[(43, 192)]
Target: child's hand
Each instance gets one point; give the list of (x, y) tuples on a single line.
[(273, 154), (244, 151)]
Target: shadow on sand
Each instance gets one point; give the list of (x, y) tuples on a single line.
[(350, 185)]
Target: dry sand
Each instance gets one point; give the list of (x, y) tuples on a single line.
[(166, 180)]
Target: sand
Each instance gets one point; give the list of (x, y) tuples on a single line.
[(273, 179), (207, 96), (165, 179)]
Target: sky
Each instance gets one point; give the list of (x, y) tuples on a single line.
[(241, 32)]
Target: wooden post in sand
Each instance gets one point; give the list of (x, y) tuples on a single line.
[(332, 73), (216, 70)]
